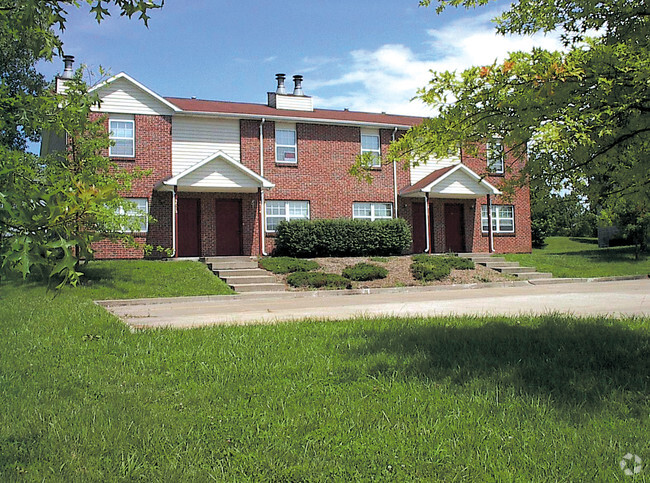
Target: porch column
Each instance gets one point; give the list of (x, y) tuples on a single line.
[(489, 217), (427, 228)]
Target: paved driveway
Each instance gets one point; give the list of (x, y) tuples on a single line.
[(620, 298)]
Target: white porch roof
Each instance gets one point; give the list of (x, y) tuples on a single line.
[(456, 182), (217, 173)]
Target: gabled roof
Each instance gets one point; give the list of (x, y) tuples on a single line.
[(242, 109), (142, 87), (221, 156), (434, 184)]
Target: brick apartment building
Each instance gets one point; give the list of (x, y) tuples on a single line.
[(224, 174)]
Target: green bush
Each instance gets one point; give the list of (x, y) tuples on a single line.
[(318, 280), (287, 264), (364, 271), (342, 238), (436, 267)]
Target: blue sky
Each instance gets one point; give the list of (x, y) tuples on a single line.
[(356, 54)]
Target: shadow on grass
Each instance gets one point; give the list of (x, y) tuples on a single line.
[(605, 255), (588, 241), (576, 363)]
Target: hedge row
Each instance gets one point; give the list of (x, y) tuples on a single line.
[(287, 264), (342, 238), (428, 268)]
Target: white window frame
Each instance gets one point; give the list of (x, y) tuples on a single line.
[(495, 164), (497, 219), (286, 216), (140, 211), (376, 153), (373, 216), (114, 137), (294, 146)]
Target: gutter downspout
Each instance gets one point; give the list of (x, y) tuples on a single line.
[(427, 228), (489, 217), (395, 174), (174, 221), (262, 221)]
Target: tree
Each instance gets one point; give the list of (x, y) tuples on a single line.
[(53, 207), (579, 115)]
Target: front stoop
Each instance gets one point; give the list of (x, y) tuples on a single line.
[(243, 274), (510, 268)]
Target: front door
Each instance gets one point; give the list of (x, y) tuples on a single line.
[(189, 234), (419, 227), (228, 225), (454, 228)]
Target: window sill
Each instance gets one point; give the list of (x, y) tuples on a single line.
[(286, 163), (122, 158), (499, 234)]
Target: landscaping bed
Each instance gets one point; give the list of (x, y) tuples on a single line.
[(399, 272)]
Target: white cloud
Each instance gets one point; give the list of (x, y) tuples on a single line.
[(386, 79)]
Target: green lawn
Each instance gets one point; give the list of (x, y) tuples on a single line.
[(447, 399), (581, 257)]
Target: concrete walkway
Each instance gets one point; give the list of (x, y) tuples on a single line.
[(610, 298)]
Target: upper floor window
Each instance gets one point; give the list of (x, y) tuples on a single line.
[(503, 218), (122, 133), (286, 148), (372, 211), (277, 211), (370, 144), (138, 213), (494, 154)]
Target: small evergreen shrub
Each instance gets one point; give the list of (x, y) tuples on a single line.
[(362, 272), (318, 280), (428, 268), (342, 238), (287, 264), (379, 259)]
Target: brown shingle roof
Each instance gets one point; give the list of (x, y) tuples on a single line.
[(427, 180), (249, 109)]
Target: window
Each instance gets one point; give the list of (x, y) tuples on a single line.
[(372, 211), (503, 218), (285, 145), (277, 211), (370, 145), (139, 212), (494, 154), (122, 135)]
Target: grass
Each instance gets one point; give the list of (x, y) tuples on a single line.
[(124, 279), (581, 257), (434, 399)]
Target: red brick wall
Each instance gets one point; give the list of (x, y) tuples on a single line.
[(325, 154), (153, 151)]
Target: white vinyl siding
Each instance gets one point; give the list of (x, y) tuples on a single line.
[(286, 148), (372, 211), (194, 139), (290, 102), (425, 169), (122, 134), (277, 211), (121, 96), (494, 155), (139, 212), (503, 218), (218, 173), (370, 144)]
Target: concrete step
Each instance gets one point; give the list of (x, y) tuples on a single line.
[(482, 260), (232, 265), (226, 259), (239, 272), (258, 287), (533, 275), (247, 279), (472, 255), (514, 270), (496, 265)]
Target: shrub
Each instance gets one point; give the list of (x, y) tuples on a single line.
[(379, 259), (342, 238), (287, 264), (364, 271), (435, 267), (318, 280)]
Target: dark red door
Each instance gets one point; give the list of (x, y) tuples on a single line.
[(419, 230), (454, 232), (189, 227), (228, 227)]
